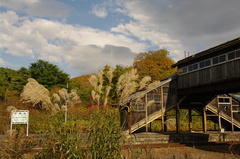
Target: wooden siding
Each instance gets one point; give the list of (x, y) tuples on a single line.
[(210, 75)]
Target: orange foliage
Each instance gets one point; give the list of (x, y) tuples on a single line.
[(81, 81), (155, 64)]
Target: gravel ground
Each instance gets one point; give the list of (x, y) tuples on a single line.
[(223, 151)]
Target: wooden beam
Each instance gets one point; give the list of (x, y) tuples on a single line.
[(190, 119), (161, 95), (219, 117), (231, 114), (130, 120), (177, 118), (204, 119), (146, 114)]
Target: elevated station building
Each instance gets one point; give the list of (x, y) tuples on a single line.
[(205, 84)]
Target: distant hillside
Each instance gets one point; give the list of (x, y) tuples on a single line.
[(83, 86)]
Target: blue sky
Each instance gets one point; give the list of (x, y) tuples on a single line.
[(82, 36)]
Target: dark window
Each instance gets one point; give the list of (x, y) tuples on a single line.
[(157, 98), (165, 89), (220, 100), (195, 66), (215, 60), (207, 63), (222, 58), (154, 97), (224, 100), (138, 106), (235, 108), (201, 64), (149, 97), (238, 53), (190, 68), (231, 55), (184, 69)]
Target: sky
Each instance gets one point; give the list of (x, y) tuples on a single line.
[(82, 36)]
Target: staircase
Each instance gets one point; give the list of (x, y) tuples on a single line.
[(223, 115), (152, 116)]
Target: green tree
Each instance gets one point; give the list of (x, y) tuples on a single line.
[(47, 74), (11, 83), (155, 64)]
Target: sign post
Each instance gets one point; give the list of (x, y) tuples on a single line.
[(19, 117)]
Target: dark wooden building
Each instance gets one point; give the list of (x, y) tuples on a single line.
[(203, 83), (213, 71)]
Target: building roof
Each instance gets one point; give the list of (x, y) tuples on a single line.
[(208, 51)]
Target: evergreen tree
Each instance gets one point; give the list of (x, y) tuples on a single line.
[(47, 74)]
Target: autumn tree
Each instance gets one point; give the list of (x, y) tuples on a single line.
[(83, 87), (155, 64)]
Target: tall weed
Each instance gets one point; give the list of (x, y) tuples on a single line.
[(64, 142), (105, 134), (16, 145)]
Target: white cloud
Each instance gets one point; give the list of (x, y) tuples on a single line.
[(41, 8), (187, 25), (48, 8), (17, 5), (80, 47), (152, 34), (99, 11)]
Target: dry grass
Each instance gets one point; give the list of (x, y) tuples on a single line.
[(38, 95)]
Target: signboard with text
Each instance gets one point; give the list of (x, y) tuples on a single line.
[(19, 117)]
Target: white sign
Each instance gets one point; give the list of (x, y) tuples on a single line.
[(19, 117)]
